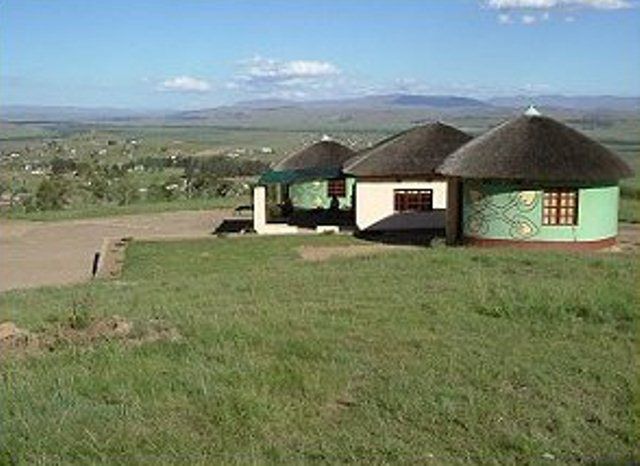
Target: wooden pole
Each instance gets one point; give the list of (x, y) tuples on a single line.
[(96, 262), (453, 224)]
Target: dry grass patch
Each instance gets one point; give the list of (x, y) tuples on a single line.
[(629, 237), (323, 253), (16, 341)]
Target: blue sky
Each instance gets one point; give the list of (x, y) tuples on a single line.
[(189, 54)]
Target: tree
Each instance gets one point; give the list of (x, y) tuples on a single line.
[(60, 165), (98, 185), (4, 187), (124, 191), (52, 193)]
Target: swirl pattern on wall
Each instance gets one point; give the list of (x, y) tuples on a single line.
[(513, 209)]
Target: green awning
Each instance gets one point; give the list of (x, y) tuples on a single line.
[(299, 176)]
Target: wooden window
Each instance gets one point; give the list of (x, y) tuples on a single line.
[(560, 207), (337, 188), (413, 200)]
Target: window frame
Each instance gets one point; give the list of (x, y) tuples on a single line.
[(560, 207), (342, 187), (402, 202)]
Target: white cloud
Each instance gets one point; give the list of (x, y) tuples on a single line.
[(261, 77), (261, 68), (286, 79), (185, 84), (548, 4), (529, 8), (527, 18), (534, 88)]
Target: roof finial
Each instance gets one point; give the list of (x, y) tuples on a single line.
[(532, 111)]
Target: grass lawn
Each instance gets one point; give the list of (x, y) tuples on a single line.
[(435, 356), (107, 210), (629, 210)]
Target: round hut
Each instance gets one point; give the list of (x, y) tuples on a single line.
[(396, 186), (307, 188), (535, 182), (312, 177)]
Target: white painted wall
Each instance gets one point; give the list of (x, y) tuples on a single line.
[(259, 208), (374, 199), (260, 224)]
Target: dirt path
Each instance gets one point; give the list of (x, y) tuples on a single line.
[(629, 237), (54, 253)]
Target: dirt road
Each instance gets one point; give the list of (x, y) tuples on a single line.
[(55, 253)]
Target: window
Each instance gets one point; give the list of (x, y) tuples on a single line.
[(413, 200), (337, 188), (560, 207)]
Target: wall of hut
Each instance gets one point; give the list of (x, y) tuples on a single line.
[(511, 211), (375, 205)]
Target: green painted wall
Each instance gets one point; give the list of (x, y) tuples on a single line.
[(498, 210), (313, 194)]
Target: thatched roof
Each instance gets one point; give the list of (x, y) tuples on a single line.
[(321, 155), (417, 151), (535, 148), (322, 160)]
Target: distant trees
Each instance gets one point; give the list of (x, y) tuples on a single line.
[(52, 193), (165, 191), (60, 165), (164, 178), (210, 176), (223, 167), (98, 185), (210, 185), (124, 190)]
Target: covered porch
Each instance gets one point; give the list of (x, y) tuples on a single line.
[(295, 201)]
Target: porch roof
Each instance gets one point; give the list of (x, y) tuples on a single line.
[(300, 175)]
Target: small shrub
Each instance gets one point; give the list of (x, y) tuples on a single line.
[(80, 316)]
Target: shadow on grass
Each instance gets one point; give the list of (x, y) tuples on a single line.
[(427, 237)]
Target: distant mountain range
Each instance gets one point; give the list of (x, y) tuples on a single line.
[(387, 100), (69, 113), (585, 102), (370, 108)]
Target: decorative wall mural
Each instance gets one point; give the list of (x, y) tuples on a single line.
[(513, 210), (313, 195)]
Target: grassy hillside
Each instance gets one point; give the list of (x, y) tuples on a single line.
[(435, 356)]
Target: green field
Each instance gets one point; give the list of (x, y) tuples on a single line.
[(433, 356)]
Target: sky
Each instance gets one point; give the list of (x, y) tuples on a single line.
[(194, 54)]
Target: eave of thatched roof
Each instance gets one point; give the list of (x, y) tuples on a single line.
[(322, 160), (535, 148), (299, 176), (417, 151), (321, 155)]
